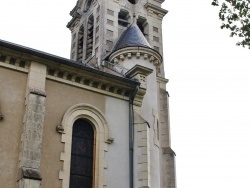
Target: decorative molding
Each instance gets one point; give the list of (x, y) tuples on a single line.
[(151, 8), (102, 139), (109, 140), (28, 173), (139, 73), (60, 129), (37, 91), (14, 63), (90, 82), (168, 150), (139, 52)]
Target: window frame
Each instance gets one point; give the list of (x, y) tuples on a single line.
[(102, 139)]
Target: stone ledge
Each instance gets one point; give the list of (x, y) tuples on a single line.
[(37, 91), (29, 173), (168, 150)]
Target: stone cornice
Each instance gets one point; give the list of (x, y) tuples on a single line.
[(93, 82), (37, 91), (160, 1), (67, 71), (160, 12), (139, 52), (163, 80), (11, 61), (76, 18)]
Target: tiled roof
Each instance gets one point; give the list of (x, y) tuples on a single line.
[(132, 36)]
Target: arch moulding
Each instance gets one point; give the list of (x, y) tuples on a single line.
[(102, 138)]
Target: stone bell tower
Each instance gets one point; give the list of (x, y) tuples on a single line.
[(96, 25), (124, 37)]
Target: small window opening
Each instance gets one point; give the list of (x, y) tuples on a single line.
[(123, 17), (88, 4), (142, 24), (89, 46)]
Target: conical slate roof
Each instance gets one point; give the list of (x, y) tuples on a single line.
[(132, 36)]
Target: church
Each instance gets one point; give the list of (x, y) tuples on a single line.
[(97, 120)]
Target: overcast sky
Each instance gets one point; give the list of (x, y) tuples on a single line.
[(209, 83)]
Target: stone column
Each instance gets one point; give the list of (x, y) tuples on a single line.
[(168, 178), (30, 155)]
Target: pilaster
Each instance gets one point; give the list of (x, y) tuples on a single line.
[(31, 142), (140, 73), (168, 179)]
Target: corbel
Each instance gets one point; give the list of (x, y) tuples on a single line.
[(1, 116), (60, 129), (109, 140)]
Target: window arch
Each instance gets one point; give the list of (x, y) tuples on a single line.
[(82, 153), (87, 5), (143, 25), (101, 138)]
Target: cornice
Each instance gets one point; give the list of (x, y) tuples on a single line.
[(139, 52), (74, 19), (11, 61), (155, 10), (67, 71)]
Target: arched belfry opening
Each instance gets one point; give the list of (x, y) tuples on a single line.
[(80, 44), (143, 25), (82, 155), (87, 5), (89, 42)]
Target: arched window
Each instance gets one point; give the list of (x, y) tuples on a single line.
[(87, 5), (142, 24), (82, 150), (123, 21), (90, 117)]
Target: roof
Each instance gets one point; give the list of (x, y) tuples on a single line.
[(132, 36), (62, 60)]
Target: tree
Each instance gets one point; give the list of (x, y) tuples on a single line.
[(235, 15)]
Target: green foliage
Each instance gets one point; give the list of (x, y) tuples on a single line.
[(235, 15)]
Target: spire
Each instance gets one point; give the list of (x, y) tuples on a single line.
[(132, 36)]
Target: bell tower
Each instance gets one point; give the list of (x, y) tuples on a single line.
[(124, 37), (96, 26)]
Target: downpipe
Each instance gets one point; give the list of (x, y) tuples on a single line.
[(131, 137)]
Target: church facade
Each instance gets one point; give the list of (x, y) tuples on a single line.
[(97, 120)]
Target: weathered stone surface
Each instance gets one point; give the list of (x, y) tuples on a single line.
[(168, 150), (29, 173), (29, 183), (32, 132), (168, 155)]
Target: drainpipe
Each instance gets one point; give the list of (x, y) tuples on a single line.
[(131, 137)]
